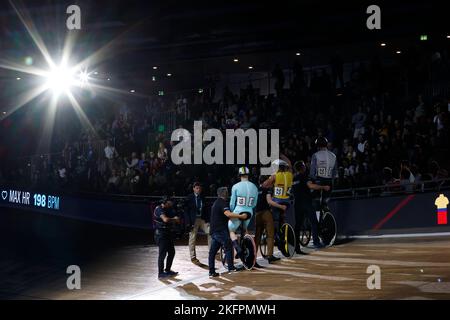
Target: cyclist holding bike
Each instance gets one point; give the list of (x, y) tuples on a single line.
[(244, 197), (322, 172), (264, 220), (281, 182), (301, 189)]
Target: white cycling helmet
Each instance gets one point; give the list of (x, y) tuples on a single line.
[(243, 171), (279, 163)]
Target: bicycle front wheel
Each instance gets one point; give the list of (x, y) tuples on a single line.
[(328, 229), (287, 240)]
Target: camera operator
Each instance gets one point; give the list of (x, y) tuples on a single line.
[(165, 219)]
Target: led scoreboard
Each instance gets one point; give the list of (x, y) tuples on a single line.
[(29, 199)]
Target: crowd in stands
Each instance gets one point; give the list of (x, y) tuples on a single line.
[(384, 125)]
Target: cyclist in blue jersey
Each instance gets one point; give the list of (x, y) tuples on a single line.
[(244, 197)]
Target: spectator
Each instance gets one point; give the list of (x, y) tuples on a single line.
[(110, 154), (162, 152), (132, 164), (358, 120), (405, 182), (113, 184)]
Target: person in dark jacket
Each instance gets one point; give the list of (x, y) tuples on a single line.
[(197, 218), (220, 215), (302, 187), (165, 218)]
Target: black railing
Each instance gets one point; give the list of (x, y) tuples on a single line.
[(392, 189), (352, 193)]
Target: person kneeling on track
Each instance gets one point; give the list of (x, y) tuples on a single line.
[(301, 189), (220, 237), (244, 196), (264, 220)]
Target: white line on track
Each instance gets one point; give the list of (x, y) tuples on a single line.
[(399, 235)]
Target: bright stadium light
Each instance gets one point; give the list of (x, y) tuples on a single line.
[(60, 78), (84, 77)]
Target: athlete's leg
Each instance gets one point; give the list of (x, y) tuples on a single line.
[(259, 227), (276, 213), (246, 223), (314, 214), (233, 225), (268, 220), (299, 222)]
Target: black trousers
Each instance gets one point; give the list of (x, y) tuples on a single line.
[(166, 245), (220, 239), (305, 209)]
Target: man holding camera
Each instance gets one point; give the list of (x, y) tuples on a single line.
[(165, 218)]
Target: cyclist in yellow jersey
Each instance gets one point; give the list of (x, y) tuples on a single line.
[(282, 184), (281, 181)]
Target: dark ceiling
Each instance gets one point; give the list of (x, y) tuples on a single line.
[(191, 33)]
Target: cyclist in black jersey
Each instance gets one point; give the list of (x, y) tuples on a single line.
[(302, 189)]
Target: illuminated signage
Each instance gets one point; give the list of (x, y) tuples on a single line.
[(25, 198)]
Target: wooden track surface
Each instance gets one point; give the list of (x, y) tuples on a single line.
[(416, 268)]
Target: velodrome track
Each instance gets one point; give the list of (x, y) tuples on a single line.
[(121, 264)]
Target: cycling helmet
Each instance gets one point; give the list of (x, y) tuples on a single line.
[(300, 165), (243, 171), (321, 142), (280, 163)]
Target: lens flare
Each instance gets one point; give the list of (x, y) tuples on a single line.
[(60, 79)]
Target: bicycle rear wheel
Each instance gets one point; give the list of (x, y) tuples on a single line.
[(249, 249), (305, 233), (287, 240), (328, 229), (263, 244)]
